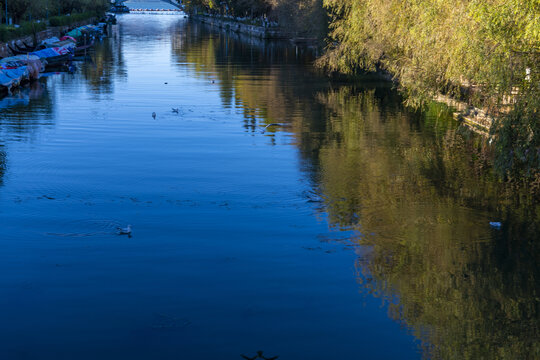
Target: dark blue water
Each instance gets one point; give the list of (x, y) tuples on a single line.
[(332, 237)]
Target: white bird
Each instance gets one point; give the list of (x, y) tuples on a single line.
[(154, 115), (124, 231)]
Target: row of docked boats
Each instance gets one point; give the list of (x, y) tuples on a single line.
[(28, 63)]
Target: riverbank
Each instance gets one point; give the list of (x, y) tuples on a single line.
[(34, 39), (473, 117), (476, 119), (263, 32)]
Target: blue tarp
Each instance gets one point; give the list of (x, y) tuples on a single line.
[(46, 53), (9, 77), (5, 80), (16, 74), (65, 49)]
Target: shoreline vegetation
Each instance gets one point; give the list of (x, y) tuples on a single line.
[(479, 57), (29, 17)]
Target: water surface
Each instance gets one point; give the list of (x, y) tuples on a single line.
[(357, 230)]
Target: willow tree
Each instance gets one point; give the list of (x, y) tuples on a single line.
[(303, 18), (484, 51)]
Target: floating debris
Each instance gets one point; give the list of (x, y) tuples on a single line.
[(274, 124)]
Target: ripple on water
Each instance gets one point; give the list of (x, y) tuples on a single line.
[(87, 228)]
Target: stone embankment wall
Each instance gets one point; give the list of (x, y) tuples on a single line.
[(57, 31), (235, 26), (475, 118)]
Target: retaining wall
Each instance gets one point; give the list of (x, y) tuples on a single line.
[(235, 26)]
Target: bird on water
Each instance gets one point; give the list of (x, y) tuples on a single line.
[(124, 231), (154, 115)]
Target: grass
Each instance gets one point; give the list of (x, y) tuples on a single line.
[(10, 32)]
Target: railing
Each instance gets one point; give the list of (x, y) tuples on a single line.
[(157, 11)]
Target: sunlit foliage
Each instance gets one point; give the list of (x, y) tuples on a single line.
[(39, 9), (438, 45), (485, 52)]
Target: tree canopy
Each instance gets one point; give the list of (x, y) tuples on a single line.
[(483, 51), (38, 9)]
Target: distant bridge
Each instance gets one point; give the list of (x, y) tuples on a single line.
[(161, 7)]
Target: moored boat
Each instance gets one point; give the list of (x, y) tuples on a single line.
[(56, 55), (33, 63)]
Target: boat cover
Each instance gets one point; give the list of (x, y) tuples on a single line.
[(11, 63), (13, 77), (54, 51), (17, 73), (64, 38), (50, 41), (75, 33), (32, 62), (5, 80)]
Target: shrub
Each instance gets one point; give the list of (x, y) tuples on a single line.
[(67, 20), (9, 32)]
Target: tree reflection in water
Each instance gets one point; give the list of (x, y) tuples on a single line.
[(417, 187)]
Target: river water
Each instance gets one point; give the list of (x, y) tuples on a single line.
[(357, 229)]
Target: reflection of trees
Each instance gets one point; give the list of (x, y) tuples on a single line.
[(23, 114), (25, 111), (466, 290), (107, 64), (416, 185), (251, 73), (2, 164), (103, 66)]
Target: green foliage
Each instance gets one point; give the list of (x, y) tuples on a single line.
[(476, 50), (433, 46), (233, 7), (26, 28), (39, 9), (73, 18), (517, 142), (302, 18)]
